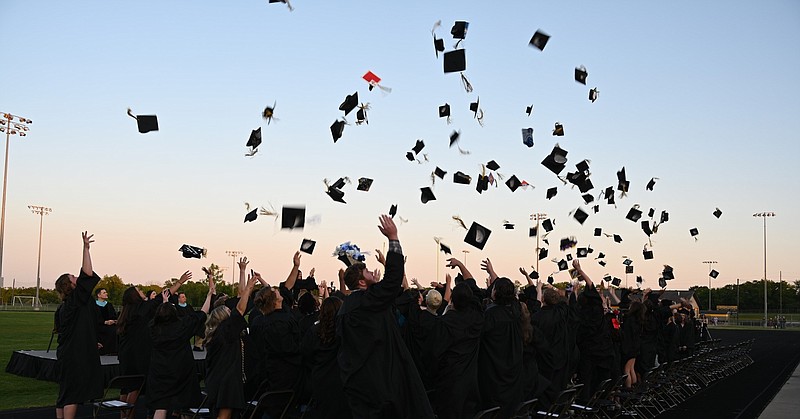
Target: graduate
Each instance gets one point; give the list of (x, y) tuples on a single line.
[(106, 323), (80, 378), (377, 370)]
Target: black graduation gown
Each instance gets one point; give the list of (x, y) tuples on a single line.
[(686, 338), (325, 380), (554, 322), (172, 380), (453, 348), (77, 359), (277, 338), (377, 370), (594, 343), (106, 333), (224, 368), (650, 331), (631, 338), (421, 323), (670, 338), (500, 358), (136, 345)]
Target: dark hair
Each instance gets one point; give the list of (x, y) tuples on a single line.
[(637, 310), (503, 291), (130, 300), (64, 286), (265, 300), (165, 314), (99, 290), (550, 297), (307, 303), (327, 319), (462, 298), (353, 274)]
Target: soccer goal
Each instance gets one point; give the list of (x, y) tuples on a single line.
[(25, 300)]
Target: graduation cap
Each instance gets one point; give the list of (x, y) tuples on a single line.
[(567, 243), (337, 128), (251, 216), (461, 178), (552, 192), (477, 235), (580, 215), (547, 225), (714, 274), (418, 146), (427, 195), (293, 217), (269, 112), (308, 246), (513, 183), (534, 275), (361, 114), (623, 183), (602, 263), (629, 269), (508, 225), (694, 232), (550, 279), (350, 102), (474, 107), (587, 198), (444, 248), (439, 172), (364, 184), (336, 194), (648, 254), (582, 252), (539, 40), (646, 228), (482, 184), (532, 232), (146, 123), (393, 210), (562, 265), (639, 279), (651, 213), (410, 156), (254, 141), (492, 165), (373, 81), (616, 281), (455, 61), (285, 2), (662, 282), (190, 251), (617, 238), (651, 184), (594, 94), (529, 110), (459, 30), (717, 213), (556, 160), (444, 112), (598, 231), (627, 262), (664, 216), (609, 194), (527, 137), (668, 273), (558, 131), (581, 74), (607, 278), (438, 45), (634, 214), (454, 137), (542, 253)]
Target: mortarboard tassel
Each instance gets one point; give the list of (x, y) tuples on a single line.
[(466, 83), (460, 221), (130, 113), (362, 114)]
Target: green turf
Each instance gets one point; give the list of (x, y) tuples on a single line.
[(24, 330)]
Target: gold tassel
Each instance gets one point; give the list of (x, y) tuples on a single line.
[(460, 221)]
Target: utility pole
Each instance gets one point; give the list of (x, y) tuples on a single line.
[(41, 212), (537, 216), (765, 215), (10, 127)]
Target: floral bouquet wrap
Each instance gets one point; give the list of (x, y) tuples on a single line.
[(349, 253)]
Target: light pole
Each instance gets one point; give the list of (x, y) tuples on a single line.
[(538, 216), (465, 256), (234, 254), (709, 263), (765, 215), (41, 212), (10, 127), (737, 301)]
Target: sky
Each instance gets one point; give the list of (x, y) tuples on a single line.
[(700, 95)]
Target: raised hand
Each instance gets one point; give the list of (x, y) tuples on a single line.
[(87, 239), (243, 263), (380, 257), (523, 272), (296, 259), (165, 295), (185, 277), (387, 227), (453, 263)]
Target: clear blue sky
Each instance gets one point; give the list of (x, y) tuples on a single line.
[(702, 95)]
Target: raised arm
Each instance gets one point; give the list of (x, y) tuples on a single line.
[(455, 263), (86, 264), (292, 278), (581, 274), (241, 306), (486, 265), (342, 286), (448, 287), (243, 274), (212, 289), (525, 274), (185, 277), (324, 292)]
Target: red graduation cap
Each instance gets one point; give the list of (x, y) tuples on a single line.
[(374, 80)]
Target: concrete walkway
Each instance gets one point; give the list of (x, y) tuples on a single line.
[(786, 403)]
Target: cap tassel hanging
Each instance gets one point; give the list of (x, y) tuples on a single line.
[(361, 115), (460, 221), (130, 113), (466, 83)]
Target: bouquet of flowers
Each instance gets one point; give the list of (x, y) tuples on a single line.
[(349, 253)]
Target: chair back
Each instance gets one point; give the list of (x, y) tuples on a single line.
[(487, 414)]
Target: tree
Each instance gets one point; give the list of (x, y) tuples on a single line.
[(115, 286)]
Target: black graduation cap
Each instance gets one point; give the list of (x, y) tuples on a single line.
[(629, 269), (251, 216), (581, 74), (594, 94), (623, 183), (634, 214), (439, 172), (410, 156), (609, 194), (508, 225), (558, 131), (543, 253), (337, 128), (459, 30), (145, 123), (492, 165), (602, 263), (335, 191), (587, 198), (662, 282), (667, 273), (717, 213), (455, 61), (627, 262), (444, 110), (482, 184), (361, 114), (651, 184), (527, 137), (350, 103), (714, 274), (293, 217), (556, 160), (477, 235), (438, 45), (534, 275), (550, 280), (475, 107), (651, 213), (598, 231), (532, 232), (616, 281), (308, 246), (454, 137), (393, 210), (552, 192), (580, 215), (582, 252), (427, 195), (547, 225), (513, 183), (639, 279), (646, 228), (648, 254), (562, 265), (268, 113), (255, 139), (364, 184), (190, 251), (461, 178), (418, 146), (539, 40), (444, 248), (618, 238), (607, 278), (664, 216), (694, 232), (528, 110)]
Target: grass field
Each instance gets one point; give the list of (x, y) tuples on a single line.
[(21, 330)]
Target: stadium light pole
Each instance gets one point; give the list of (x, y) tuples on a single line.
[(709, 263), (538, 216), (465, 256), (765, 215), (41, 212), (10, 127), (234, 254)]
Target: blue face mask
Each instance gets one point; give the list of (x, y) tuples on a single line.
[(101, 303), (182, 304)]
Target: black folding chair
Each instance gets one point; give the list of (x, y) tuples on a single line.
[(561, 404), (525, 409), (111, 401), (487, 414), (274, 403)]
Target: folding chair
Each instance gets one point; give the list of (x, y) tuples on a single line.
[(561, 404), (525, 409), (274, 403), (591, 407), (487, 414), (112, 402)]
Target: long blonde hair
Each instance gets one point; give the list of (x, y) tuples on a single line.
[(215, 318)]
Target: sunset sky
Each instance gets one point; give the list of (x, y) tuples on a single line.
[(701, 95)]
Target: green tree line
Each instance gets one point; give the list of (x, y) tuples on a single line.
[(751, 295)]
